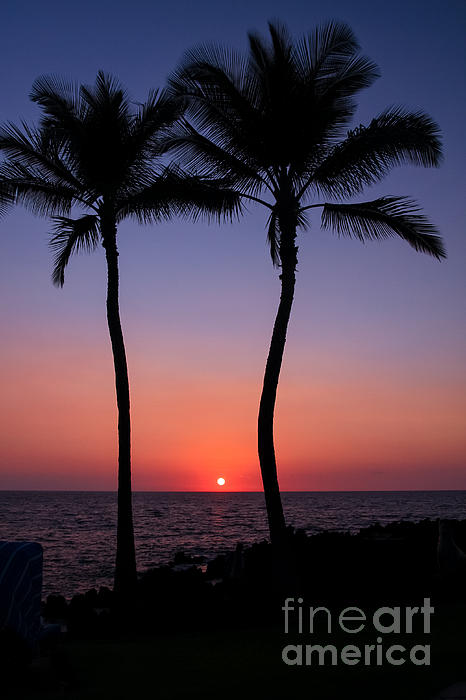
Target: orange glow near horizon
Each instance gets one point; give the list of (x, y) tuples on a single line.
[(364, 431)]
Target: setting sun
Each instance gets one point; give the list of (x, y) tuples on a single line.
[(221, 481)]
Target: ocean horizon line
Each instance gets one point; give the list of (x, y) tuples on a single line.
[(225, 491)]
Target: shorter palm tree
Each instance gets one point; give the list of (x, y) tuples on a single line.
[(274, 123), (93, 152)]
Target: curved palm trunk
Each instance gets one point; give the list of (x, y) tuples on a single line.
[(288, 254), (125, 567)]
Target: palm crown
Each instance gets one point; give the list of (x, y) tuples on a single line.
[(94, 151), (276, 123)]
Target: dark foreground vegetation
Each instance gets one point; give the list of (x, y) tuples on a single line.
[(218, 631)]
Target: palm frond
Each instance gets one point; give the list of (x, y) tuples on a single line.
[(106, 99), (72, 236), (177, 193), (37, 193), (383, 218), (62, 111), (332, 72), (325, 50), (40, 150), (266, 56), (146, 141), (393, 138), (6, 197), (152, 121), (281, 41), (57, 97), (221, 100), (202, 156)]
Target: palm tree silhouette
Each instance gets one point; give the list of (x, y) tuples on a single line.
[(92, 151), (275, 123)]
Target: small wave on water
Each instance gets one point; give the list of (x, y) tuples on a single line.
[(78, 529)]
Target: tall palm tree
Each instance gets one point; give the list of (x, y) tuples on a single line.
[(94, 152), (275, 123)]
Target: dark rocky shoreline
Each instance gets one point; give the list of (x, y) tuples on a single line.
[(380, 565)]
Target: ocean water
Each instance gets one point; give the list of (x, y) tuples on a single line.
[(78, 529)]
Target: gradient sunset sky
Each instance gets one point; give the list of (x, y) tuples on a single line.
[(373, 386)]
